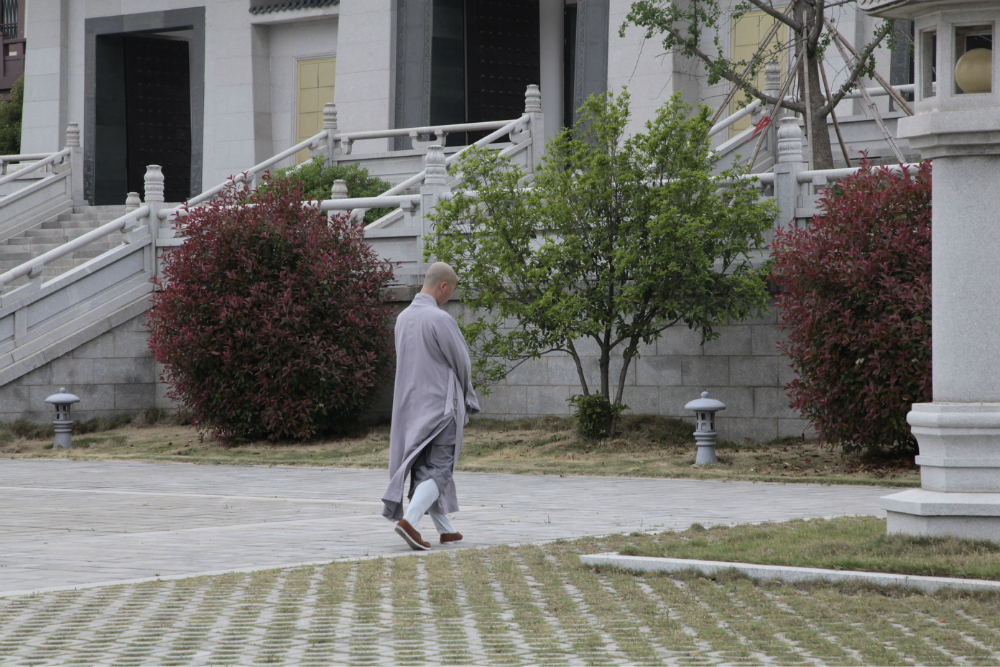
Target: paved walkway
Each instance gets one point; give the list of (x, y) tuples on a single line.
[(68, 523)]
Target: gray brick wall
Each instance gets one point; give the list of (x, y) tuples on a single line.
[(113, 374), (742, 368)]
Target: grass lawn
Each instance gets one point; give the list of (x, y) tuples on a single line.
[(646, 447), (530, 605)]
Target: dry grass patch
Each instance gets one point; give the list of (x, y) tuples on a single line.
[(646, 446), (843, 543)]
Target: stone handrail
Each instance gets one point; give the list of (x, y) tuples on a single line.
[(51, 159), (506, 128), (7, 160), (252, 171), (439, 131), (34, 266), (348, 204), (754, 105), (822, 176)]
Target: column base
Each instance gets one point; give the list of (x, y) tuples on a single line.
[(923, 513)]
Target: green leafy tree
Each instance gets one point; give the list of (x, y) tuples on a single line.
[(317, 179), (617, 239), (10, 120)]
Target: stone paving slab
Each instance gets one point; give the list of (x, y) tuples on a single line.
[(72, 523)]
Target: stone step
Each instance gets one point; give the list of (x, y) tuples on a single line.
[(57, 231), (78, 217), (37, 232), (57, 238), (106, 213), (71, 224)]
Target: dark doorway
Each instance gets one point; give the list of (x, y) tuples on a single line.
[(143, 115), (484, 54)]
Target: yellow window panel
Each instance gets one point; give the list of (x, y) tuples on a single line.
[(327, 72), (324, 96), (308, 101), (308, 74), (316, 78), (747, 34), (308, 125)]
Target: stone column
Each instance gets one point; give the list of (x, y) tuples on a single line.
[(533, 107), (153, 195), (435, 183), (959, 432), (76, 163), (330, 125), (786, 170), (551, 21)]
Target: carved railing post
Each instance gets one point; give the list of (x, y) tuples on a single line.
[(132, 202), (772, 87), (153, 195), (435, 183), (338, 191), (786, 170), (330, 125), (76, 163), (533, 107)]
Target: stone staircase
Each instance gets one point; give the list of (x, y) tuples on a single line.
[(57, 231)]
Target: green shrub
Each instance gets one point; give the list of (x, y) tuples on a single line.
[(269, 319), (855, 304), (595, 415), (317, 180), (10, 120)]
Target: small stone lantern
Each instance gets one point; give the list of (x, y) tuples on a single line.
[(62, 422), (704, 435)]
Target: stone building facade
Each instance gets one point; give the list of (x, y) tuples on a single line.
[(208, 88)]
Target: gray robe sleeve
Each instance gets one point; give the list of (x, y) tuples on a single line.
[(452, 344)]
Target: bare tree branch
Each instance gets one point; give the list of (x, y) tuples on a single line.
[(817, 28), (861, 62), (780, 16), (731, 76)]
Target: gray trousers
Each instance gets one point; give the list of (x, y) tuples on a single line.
[(430, 474)]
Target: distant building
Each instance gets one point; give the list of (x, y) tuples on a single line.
[(11, 44), (206, 91)]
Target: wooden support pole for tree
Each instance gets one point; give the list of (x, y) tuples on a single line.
[(805, 95), (746, 71), (777, 108), (871, 104), (837, 37), (833, 115)]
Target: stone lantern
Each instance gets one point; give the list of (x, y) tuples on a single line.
[(957, 125), (704, 435), (63, 422)]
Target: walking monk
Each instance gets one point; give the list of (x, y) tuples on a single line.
[(432, 401)]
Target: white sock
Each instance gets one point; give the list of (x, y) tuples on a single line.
[(423, 497), (442, 523)]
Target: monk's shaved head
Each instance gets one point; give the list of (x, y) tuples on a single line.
[(438, 273)]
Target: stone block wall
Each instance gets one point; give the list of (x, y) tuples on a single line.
[(113, 374), (741, 368)]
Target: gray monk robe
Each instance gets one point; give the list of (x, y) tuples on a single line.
[(433, 390)]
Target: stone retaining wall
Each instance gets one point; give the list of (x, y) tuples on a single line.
[(115, 374)]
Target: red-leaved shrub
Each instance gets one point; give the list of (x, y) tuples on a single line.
[(855, 304), (269, 318)]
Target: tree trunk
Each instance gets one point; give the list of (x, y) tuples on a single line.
[(819, 142), (821, 150)]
